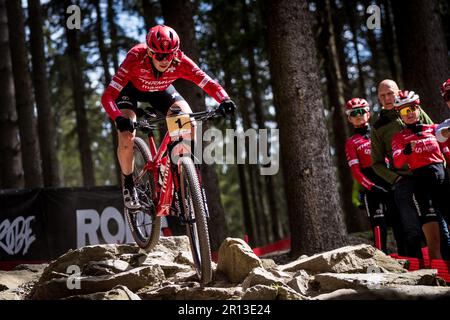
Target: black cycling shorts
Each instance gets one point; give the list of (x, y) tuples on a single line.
[(160, 100)]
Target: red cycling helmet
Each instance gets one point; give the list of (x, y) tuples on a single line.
[(445, 90), (356, 103), (406, 98), (162, 39)]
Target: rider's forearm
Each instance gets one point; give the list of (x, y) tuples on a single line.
[(108, 103)]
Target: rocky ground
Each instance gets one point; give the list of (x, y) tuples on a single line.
[(124, 272)]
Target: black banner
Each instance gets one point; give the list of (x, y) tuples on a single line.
[(42, 224)]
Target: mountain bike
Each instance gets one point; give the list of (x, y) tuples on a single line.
[(169, 183)]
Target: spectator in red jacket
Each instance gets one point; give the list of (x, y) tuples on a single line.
[(416, 148)]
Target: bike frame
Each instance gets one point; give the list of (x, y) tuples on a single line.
[(163, 194)]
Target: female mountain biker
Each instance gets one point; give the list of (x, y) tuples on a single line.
[(146, 75)]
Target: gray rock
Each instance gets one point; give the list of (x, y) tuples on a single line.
[(337, 295), (133, 279), (117, 293), (237, 259), (261, 276), (20, 275), (397, 293), (192, 291), (300, 283), (260, 292), (272, 292), (332, 281), (350, 259)]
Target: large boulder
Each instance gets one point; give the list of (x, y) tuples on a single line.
[(191, 291), (332, 281), (237, 259), (62, 287), (20, 275), (117, 293), (351, 259)]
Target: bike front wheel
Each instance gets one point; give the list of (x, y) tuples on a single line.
[(194, 214), (145, 226)]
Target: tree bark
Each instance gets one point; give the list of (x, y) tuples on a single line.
[(46, 125), (11, 172), (260, 120), (31, 157), (113, 34), (178, 15), (350, 6), (354, 220), (150, 13), (311, 189), (423, 52), (76, 73), (388, 39), (104, 58)]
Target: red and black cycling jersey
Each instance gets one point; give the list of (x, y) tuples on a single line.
[(427, 150), (358, 153), (137, 69)]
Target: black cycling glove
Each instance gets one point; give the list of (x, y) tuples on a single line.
[(408, 149), (124, 124), (227, 107)]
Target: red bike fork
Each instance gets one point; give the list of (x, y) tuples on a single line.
[(377, 235)]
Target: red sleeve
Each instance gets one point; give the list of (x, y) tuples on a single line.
[(355, 166), (200, 78), (397, 151), (116, 85)]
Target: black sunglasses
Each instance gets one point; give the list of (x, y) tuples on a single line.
[(357, 112)]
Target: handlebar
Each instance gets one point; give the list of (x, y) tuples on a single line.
[(151, 121)]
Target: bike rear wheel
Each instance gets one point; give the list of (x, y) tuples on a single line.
[(145, 226), (194, 214)]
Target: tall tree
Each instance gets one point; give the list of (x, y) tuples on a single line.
[(312, 198), (113, 34), (335, 89), (259, 115), (423, 52), (11, 173), (24, 95), (82, 128), (179, 15), (46, 125), (104, 57), (150, 12), (350, 8), (388, 40)]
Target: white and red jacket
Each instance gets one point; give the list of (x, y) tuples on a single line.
[(358, 153), (137, 68), (427, 149)]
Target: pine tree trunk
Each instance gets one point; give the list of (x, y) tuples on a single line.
[(311, 188), (178, 14), (354, 220), (76, 73), (260, 120), (11, 172), (388, 39), (31, 157), (113, 34), (104, 58), (149, 12), (46, 125), (350, 6), (423, 52)]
